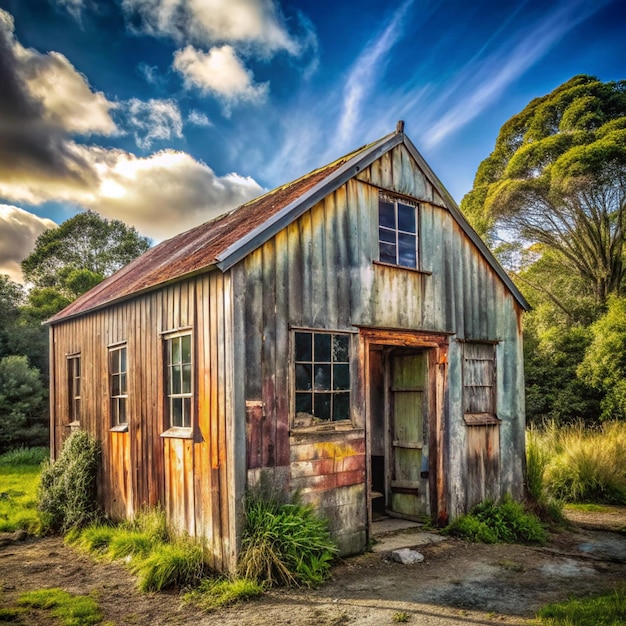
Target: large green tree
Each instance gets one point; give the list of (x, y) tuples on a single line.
[(80, 253), (556, 181)]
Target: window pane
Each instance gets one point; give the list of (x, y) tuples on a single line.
[(77, 387), (115, 385), (176, 416), (406, 218), (322, 377), (175, 379), (341, 376), (386, 235), (186, 419), (76, 367), (76, 415), (341, 406), (304, 403), (388, 253), (123, 387), (122, 419), (303, 347), (114, 362), (340, 348), (386, 214), (186, 348), (322, 347), (175, 350), (322, 405), (123, 360), (408, 252), (303, 377), (186, 379)]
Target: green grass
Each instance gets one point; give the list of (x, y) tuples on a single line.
[(499, 522), (24, 456), (215, 593), (608, 609), (68, 609), (581, 463), (588, 507), (18, 490)]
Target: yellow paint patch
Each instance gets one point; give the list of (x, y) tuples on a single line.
[(333, 451)]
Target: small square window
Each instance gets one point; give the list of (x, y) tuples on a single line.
[(322, 376)]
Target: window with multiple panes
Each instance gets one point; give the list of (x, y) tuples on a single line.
[(118, 386), (398, 235), (322, 375), (479, 378), (179, 387), (73, 378)]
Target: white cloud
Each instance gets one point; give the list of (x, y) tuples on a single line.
[(366, 71), (197, 118), (19, 230), (484, 78), (220, 72), (153, 120), (74, 7), (209, 21)]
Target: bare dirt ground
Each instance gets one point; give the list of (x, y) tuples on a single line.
[(457, 583)]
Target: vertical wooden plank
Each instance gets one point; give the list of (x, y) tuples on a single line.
[(306, 243), (342, 259)]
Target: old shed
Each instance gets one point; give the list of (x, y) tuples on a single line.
[(347, 333)]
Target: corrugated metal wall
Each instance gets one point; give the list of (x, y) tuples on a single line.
[(321, 273), (188, 477)]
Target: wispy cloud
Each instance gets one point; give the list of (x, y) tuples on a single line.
[(487, 75), (153, 120), (366, 70)]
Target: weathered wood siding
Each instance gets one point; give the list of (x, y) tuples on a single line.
[(321, 273), (187, 477)]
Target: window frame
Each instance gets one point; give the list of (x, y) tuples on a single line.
[(185, 429), (74, 388), (332, 394), (399, 232), (121, 398), (487, 414)]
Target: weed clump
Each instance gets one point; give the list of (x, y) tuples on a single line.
[(215, 593), (284, 543), (67, 491), (503, 522)]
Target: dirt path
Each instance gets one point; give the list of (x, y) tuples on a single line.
[(457, 583)]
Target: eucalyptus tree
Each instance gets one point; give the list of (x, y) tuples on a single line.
[(556, 182)]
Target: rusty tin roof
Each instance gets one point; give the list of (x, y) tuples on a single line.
[(225, 240)]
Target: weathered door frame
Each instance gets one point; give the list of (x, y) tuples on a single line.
[(437, 346)]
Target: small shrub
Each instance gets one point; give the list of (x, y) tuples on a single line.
[(284, 544), (170, 565), (216, 593), (94, 539), (67, 492), (506, 522)]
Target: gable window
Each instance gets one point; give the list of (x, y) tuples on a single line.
[(118, 381), (73, 379), (322, 376), (398, 227), (178, 383), (479, 379)]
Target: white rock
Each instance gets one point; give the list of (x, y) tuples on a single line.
[(407, 556)]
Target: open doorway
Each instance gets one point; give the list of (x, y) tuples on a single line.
[(398, 432)]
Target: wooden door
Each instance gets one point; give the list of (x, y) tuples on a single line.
[(408, 423)]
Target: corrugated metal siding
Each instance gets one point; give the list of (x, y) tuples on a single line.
[(188, 477), (321, 273)]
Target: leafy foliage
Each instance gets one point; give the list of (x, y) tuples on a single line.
[(604, 364), (81, 252), (23, 405), (11, 298), (492, 522), (283, 543), (557, 178), (67, 493)]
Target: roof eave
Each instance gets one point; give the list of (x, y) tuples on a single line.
[(257, 237)]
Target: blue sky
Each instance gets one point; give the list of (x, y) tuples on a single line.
[(165, 113)]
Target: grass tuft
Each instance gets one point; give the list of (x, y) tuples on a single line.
[(68, 609), (215, 593), (171, 565), (607, 609), (503, 522), (24, 456)]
